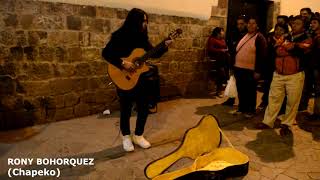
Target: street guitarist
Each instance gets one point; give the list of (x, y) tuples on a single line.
[(131, 35)]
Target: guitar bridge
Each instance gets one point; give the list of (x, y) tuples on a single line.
[(128, 78)]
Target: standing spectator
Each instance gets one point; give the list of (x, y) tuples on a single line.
[(288, 78), (281, 30), (306, 15), (235, 38), (282, 20), (218, 50), (315, 25), (249, 61)]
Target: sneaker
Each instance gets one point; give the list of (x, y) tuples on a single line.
[(127, 143), (235, 112), (141, 141)]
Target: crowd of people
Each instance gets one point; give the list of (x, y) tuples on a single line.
[(286, 58)]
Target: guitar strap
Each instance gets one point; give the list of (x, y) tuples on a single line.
[(245, 43)]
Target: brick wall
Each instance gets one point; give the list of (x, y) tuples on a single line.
[(51, 67)]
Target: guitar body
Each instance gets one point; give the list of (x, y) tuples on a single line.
[(123, 79)]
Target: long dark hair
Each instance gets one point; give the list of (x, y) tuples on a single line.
[(133, 24), (216, 31)]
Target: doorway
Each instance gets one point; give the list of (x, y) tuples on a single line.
[(262, 9)]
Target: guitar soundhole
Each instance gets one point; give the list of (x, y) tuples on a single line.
[(128, 77)]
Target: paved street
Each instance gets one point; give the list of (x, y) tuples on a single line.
[(97, 136)]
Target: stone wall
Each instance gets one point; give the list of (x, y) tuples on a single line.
[(51, 67)]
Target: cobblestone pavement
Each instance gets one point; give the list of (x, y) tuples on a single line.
[(97, 136)]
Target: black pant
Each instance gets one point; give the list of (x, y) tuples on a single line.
[(247, 90), (127, 98), (307, 89), (145, 94)]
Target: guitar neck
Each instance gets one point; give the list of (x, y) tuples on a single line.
[(153, 51)]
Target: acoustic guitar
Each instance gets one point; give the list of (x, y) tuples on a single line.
[(127, 80)]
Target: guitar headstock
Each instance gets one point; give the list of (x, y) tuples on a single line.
[(175, 33)]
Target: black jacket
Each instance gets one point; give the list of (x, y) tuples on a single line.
[(122, 44)]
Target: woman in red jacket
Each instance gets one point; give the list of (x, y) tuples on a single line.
[(218, 50)]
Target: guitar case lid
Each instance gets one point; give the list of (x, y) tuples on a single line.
[(201, 143)]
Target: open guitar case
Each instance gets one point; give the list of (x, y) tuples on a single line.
[(202, 143)]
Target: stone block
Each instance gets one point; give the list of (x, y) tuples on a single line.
[(11, 20), (83, 69), (37, 37), (99, 108), (4, 53), (26, 21), (31, 53), (9, 68), (16, 53), (91, 54), (46, 53), (28, 7), (96, 25), (70, 38), (182, 44), (222, 3), (98, 40), (105, 95), (7, 86), (164, 68), (81, 110), (35, 88), (60, 54), (73, 22), (71, 99), (38, 71), (84, 39), (99, 67), (74, 54), (106, 12), (80, 84), (98, 82), (21, 39), (89, 11), (61, 86), (48, 22), (173, 67), (196, 89), (7, 5), (88, 97), (52, 102), (6, 37), (61, 114), (55, 38), (64, 70), (122, 13)]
